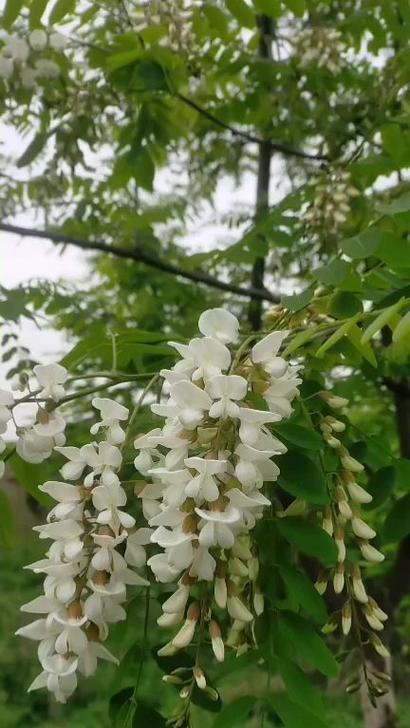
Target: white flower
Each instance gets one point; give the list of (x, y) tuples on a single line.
[(38, 39), (254, 467), (51, 377), (265, 351), (203, 564), (103, 462), (211, 357), (111, 413), (50, 424), (252, 421), (6, 68), (17, 49), (77, 461), (188, 402), (218, 529), (6, 401), (34, 448), (204, 486), (44, 68), (219, 324), (226, 389), (58, 42), (58, 677), (27, 78), (250, 506)]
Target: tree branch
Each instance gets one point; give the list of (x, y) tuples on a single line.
[(140, 256), (274, 146)]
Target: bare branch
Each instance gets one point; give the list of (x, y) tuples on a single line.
[(140, 256)]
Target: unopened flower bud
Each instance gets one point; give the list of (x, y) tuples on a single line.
[(321, 583), (339, 579), (237, 609), (340, 544), (357, 493), (346, 618), (170, 619), (220, 592), (350, 463), (361, 529), (177, 601), (342, 503), (378, 645), (370, 553), (199, 677), (333, 400), (237, 568), (359, 590), (327, 522), (186, 633), (258, 602), (216, 640), (371, 618)]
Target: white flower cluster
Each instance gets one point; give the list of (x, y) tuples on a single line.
[(206, 468), (87, 567), (331, 204), (345, 518), (320, 46), (19, 57), (36, 442)]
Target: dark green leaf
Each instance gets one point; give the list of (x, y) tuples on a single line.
[(344, 305), (143, 169), (7, 521), (308, 643), (31, 475), (333, 273), (271, 8), (293, 715), (302, 590), (298, 300), (234, 714), (302, 478), (35, 147), (300, 689), (304, 437), (397, 205), (37, 9), (296, 6), (309, 538), (397, 523), (381, 485)]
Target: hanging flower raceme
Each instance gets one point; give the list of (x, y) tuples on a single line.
[(87, 567), (322, 47), (344, 521), (205, 471), (27, 61)]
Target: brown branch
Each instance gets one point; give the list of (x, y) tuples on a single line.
[(274, 146), (140, 256)]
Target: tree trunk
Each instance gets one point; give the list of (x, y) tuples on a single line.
[(398, 584), (263, 182)]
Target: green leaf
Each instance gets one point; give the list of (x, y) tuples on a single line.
[(298, 7), (302, 478), (336, 336), (355, 336), (383, 319), (308, 538), (333, 273), (235, 714), (37, 9), (61, 9), (304, 437), (344, 304), (7, 521), (402, 329), (125, 58), (11, 12), (380, 486), (298, 300), (397, 523), (31, 475), (395, 251), (362, 245), (35, 147), (302, 337), (98, 345), (242, 12), (307, 643), (216, 18), (302, 590), (300, 689), (121, 708), (271, 8), (399, 204), (143, 169), (292, 714)]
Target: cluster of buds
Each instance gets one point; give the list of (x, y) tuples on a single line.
[(87, 567), (205, 470), (320, 46), (330, 208), (343, 519), (28, 61), (176, 16)]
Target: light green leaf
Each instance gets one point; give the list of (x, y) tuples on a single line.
[(383, 319), (271, 8), (292, 714), (399, 204), (11, 12), (216, 18), (336, 336), (308, 538), (302, 337), (298, 300), (298, 7), (242, 12), (143, 169), (402, 329), (362, 245), (333, 273), (37, 9), (61, 9)]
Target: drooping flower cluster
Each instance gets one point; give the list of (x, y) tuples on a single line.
[(205, 470), (320, 46), (331, 203), (87, 567), (342, 520), (28, 61)]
